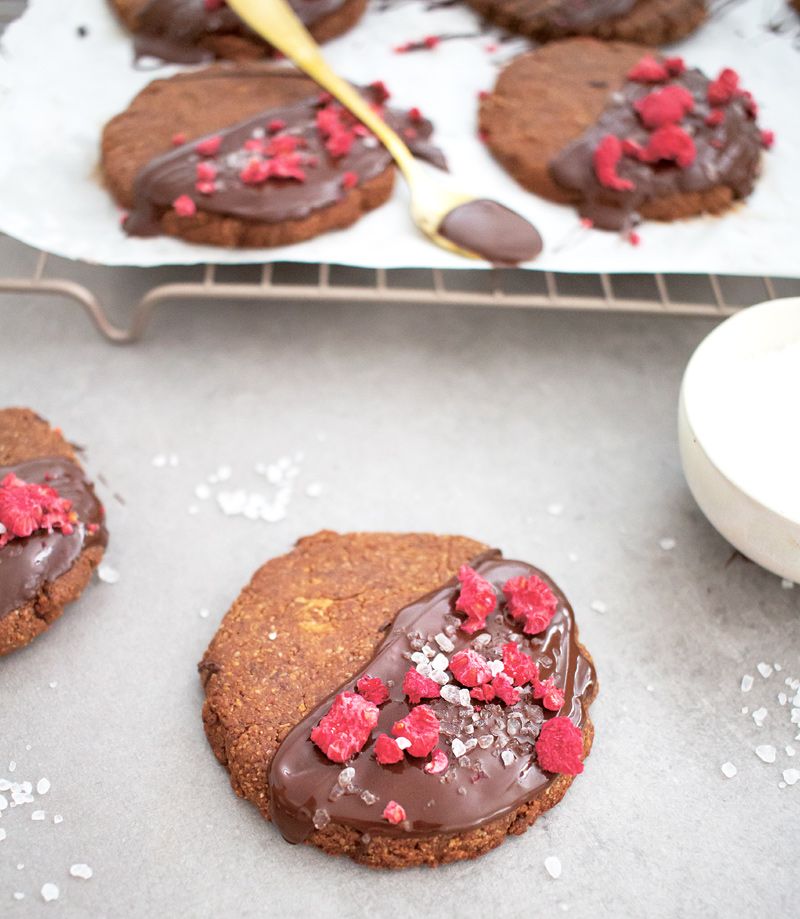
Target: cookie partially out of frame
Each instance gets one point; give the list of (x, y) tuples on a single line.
[(302, 635), (675, 143), (43, 572), (200, 30), (248, 155), (647, 22)]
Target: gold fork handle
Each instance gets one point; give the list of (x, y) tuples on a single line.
[(276, 22)]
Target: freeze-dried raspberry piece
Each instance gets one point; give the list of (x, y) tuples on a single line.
[(394, 812), (724, 88), (670, 143), (286, 166), (184, 206), (649, 70), (546, 690), (470, 668), (387, 751), (521, 668), (349, 179), (476, 598), (437, 764), (179, 139), (504, 689), (664, 106), (206, 172), (210, 146), (715, 117), (531, 600), (277, 124), (421, 727), (675, 66), (256, 172), (212, 5), (559, 747), (418, 687), (206, 188), (484, 693), (606, 158), (373, 689), (345, 728), (284, 143), (380, 91), (767, 139), (27, 506)]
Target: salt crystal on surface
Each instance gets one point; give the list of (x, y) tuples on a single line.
[(2, 834), (764, 669), (57, 818), (42, 786), (19, 895), (782, 698), (49, 892), (766, 753), (507, 757), (37, 815), (12, 766), (599, 606), (667, 543), (790, 751), (403, 742), (107, 573), (786, 584), (791, 776), (759, 715), (458, 747), (159, 460), (314, 489), (81, 871), (552, 865), (204, 613), (555, 509), (52, 684), (747, 683), (202, 491), (444, 642), (728, 770)]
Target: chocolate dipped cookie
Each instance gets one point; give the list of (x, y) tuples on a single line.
[(249, 155), (52, 531), (197, 31), (648, 22), (403, 699), (623, 133)]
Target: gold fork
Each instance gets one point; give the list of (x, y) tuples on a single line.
[(452, 218)]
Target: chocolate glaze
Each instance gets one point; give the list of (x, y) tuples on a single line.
[(473, 791), (26, 564), (173, 30), (735, 162), (492, 231), (578, 16), (173, 174)]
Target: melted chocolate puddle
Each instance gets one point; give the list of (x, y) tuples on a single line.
[(26, 564), (492, 231), (497, 772)]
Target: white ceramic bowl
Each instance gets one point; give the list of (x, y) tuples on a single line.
[(754, 508)]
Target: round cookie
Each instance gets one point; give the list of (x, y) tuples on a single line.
[(33, 593), (649, 22), (304, 628), (150, 157), (552, 108), (196, 31)]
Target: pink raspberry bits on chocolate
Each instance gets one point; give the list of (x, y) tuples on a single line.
[(664, 106), (418, 687), (606, 158), (373, 689), (530, 599), (724, 88), (649, 70), (559, 747), (669, 143), (437, 764), (521, 668), (421, 727), (394, 812), (387, 750), (210, 146), (345, 729), (27, 506), (184, 206), (477, 599), (552, 697), (470, 668), (504, 689)]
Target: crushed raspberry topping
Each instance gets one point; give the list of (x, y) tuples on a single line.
[(184, 206), (179, 139), (521, 668), (607, 156), (715, 117), (421, 727), (546, 690), (531, 600), (418, 687), (559, 747), (212, 5), (387, 751), (437, 763), (724, 88), (503, 688), (477, 599), (470, 668), (664, 106), (669, 143), (373, 689), (345, 729), (277, 124), (27, 506), (349, 180), (648, 70), (767, 139), (394, 812), (210, 146)]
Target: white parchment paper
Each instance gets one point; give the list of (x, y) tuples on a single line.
[(57, 89)]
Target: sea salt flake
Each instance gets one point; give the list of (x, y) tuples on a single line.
[(555, 509), (782, 698), (458, 747), (159, 460), (38, 815), (728, 770), (552, 866), (791, 776), (667, 543), (57, 818), (444, 642), (107, 573), (314, 489), (12, 766), (747, 682), (764, 669), (759, 715), (790, 750), (81, 871), (599, 606), (204, 613), (786, 584), (49, 892), (202, 491), (3, 834), (766, 753), (403, 742), (507, 757), (19, 895), (440, 662)]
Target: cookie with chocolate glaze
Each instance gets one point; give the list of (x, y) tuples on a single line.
[(197, 31), (647, 22), (249, 155), (362, 697), (52, 531), (623, 133)]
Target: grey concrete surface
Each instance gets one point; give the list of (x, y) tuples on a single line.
[(414, 418)]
